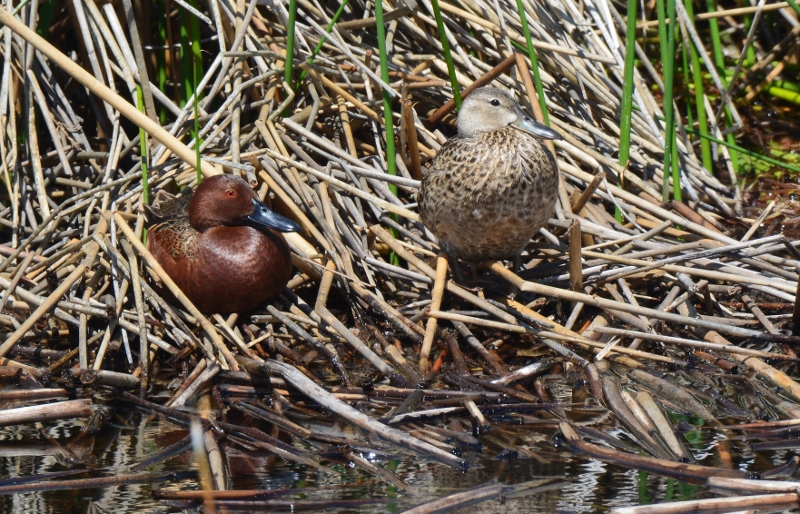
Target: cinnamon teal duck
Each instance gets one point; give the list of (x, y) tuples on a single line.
[(221, 245), (493, 186)]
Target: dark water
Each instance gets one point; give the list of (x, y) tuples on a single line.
[(577, 484)]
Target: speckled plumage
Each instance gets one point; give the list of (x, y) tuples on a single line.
[(489, 191), (171, 213), (220, 245)]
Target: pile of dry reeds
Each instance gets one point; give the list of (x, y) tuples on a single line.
[(661, 309)]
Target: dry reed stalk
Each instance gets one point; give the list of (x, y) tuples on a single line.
[(96, 87), (45, 306), (356, 417), (751, 502), (436, 302), (49, 412), (691, 472), (170, 284)]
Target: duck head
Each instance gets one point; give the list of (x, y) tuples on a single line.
[(488, 109), (227, 200)]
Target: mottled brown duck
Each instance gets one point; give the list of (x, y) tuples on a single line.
[(493, 186)]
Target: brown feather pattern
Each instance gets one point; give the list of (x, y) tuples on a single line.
[(485, 196)]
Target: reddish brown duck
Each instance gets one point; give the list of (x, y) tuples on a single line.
[(221, 245), (493, 186)]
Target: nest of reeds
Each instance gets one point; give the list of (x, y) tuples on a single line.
[(646, 294)]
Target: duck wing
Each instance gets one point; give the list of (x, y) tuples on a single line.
[(166, 206)]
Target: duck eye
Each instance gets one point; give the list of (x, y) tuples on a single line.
[(495, 102), (230, 193)]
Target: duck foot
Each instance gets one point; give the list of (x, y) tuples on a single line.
[(459, 279)]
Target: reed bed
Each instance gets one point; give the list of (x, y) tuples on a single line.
[(650, 299)]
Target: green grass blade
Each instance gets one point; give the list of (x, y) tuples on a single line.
[(534, 62), (451, 69)]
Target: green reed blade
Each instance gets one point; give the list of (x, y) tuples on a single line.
[(784, 94), (387, 98), (662, 26), (686, 85), (288, 68), (750, 52), (451, 69), (190, 52), (391, 156), (321, 42), (197, 60), (699, 97), (749, 153), (668, 53), (161, 60), (676, 169), (143, 148), (46, 10), (626, 108), (787, 85), (719, 62), (534, 62), (196, 135), (184, 58), (145, 157)]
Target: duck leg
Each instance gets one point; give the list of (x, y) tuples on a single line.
[(459, 278), (473, 267), (517, 262), (516, 266)]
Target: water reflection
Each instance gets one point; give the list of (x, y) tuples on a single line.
[(582, 485)]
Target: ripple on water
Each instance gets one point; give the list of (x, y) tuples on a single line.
[(577, 484)]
